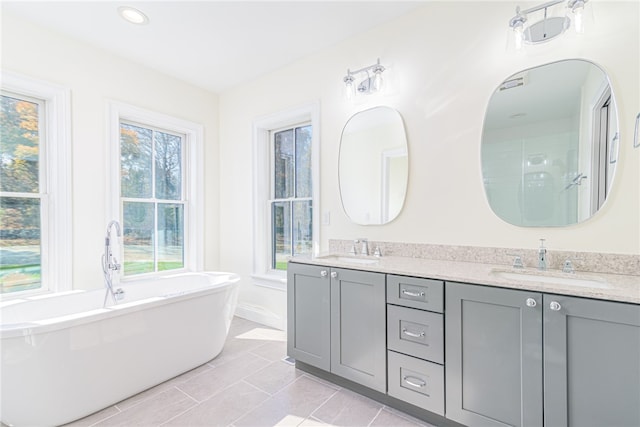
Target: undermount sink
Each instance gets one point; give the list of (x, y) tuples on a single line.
[(352, 260), (552, 278)]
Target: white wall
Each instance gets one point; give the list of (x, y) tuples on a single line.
[(94, 77), (446, 59)]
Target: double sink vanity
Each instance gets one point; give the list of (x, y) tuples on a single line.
[(456, 335), (470, 343)]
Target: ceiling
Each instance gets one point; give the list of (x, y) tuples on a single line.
[(215, 45)]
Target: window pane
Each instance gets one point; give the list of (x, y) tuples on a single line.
[(302, 230), (19, 145), (168, 166), (135, 161), (20, 266), (138, 237), (303, 161), (281, 244), (284, 164), (170, 236)]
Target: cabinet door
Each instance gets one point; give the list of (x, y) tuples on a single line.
[(591, 363), (308, 314), (358, 327), (493, 356)]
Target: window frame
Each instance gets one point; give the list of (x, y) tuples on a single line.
[(56, 262), (192, 173), (272, 194), (263, 127)]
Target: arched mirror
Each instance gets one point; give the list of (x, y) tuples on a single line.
[(373, 167), (550, 144)]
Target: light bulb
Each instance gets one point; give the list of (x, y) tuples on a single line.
[(377, 81), (517, 36), (578, 22), (349, 89)]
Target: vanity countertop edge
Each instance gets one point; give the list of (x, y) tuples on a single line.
[(619, 287)]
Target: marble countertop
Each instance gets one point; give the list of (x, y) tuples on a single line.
[(611, 287)]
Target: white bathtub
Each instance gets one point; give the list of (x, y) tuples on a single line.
[(65, 356)]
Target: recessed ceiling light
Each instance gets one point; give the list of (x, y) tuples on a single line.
[(132, 15)]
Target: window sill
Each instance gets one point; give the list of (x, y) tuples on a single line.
[(271, 281)]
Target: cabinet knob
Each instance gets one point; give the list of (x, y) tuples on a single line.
[(555, 306), (334, 274), (531, 302), (323, 273)]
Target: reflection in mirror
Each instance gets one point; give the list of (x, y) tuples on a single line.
[(373, 167), (550, 144)]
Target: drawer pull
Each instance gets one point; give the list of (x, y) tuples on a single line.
[(412, 294), (414, 382), (412, 334)]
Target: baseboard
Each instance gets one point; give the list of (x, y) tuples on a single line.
[(260, 315)]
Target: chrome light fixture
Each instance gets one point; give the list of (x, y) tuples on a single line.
[(549, 27), (370, 84)]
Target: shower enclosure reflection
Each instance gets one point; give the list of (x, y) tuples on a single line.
[(550, 144)]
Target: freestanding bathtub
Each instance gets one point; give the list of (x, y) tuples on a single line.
[(64, 356)]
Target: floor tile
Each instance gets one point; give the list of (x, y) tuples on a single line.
[(153, 411), (290, 406), (240, 326), (205, 385), (93, 418), (311, 422), (274, 350), (274, 377), (346, 408), (223, 408), (392, 417)]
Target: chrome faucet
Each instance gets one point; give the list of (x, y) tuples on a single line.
[(365, 247), (353, 250), (542, 256), (110, 264)]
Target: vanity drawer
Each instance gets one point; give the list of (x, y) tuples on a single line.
[(416, 381), (415, 332), (425, 294)]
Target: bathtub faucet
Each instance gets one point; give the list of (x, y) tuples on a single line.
[(110, 264)]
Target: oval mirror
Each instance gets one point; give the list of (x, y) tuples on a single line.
[(373, 167), (550, 144)]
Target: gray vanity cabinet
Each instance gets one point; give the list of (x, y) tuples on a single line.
[(514, 355), (358, 327), (493, 345), (336, 322), (309, 314), (591, 363)]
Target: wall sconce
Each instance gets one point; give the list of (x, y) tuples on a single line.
[(371, 84), (549, 27)]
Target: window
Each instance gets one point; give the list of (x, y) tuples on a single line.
[(22, 192), (151, 166), (157, 190), (35, 214), (292, 202), (285, 191)]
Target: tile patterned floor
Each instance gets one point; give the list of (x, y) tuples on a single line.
[(248, 385)]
